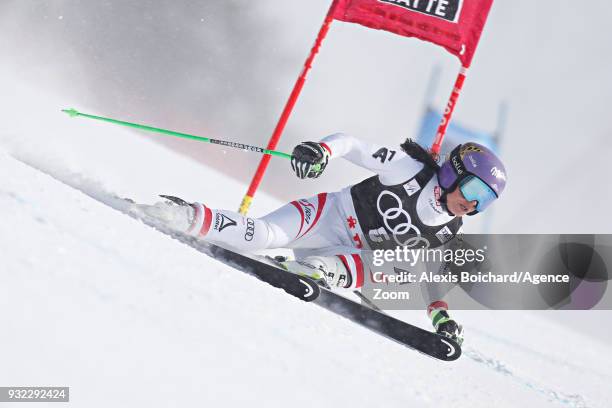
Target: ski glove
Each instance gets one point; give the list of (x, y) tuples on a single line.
[(444, 325), (309, 159)]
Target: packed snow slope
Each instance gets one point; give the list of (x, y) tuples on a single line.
[(126, 316)]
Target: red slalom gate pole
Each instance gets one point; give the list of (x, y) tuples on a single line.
[(448, 112), (280, 126)]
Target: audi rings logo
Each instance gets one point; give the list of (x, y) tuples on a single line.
[(250, 229), (398, 221)]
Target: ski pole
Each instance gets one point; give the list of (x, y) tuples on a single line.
[(74, 113)]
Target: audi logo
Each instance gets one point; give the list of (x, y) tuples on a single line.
[(250, 230)]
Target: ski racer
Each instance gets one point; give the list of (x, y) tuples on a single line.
[(410, 201)]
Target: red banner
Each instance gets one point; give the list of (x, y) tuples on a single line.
[(453, 24)]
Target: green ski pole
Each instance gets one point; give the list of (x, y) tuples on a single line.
[(74, 113)]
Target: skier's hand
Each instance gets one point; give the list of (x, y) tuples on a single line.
[(309, 159), (444, 325), (451, 329)]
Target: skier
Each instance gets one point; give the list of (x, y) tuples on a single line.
[(411, 201)]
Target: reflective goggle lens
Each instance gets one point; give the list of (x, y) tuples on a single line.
[(474, 189)]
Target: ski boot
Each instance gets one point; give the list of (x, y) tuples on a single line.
[(327, 271), (444, 325), (174, 212)]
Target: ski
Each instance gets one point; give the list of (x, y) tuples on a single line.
[(429, 343), (424, 341), (302, 287)]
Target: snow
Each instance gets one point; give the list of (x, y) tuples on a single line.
[(126, 316)]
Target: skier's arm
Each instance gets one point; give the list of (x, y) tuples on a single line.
[(382, 160), (310, 159)]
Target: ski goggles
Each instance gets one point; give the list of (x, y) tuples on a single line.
[(474, 189)]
